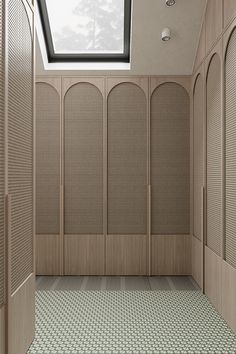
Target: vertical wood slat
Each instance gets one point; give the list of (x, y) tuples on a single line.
[(214, 157), (127, 160), (83, 115), (170, 162), (198, 174), (47, 159), (230, 151)]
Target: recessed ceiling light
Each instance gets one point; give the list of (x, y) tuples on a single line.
[(165, 34), (170, 2)]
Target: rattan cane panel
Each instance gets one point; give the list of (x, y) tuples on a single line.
[(127, 160), (2, 243), (214, 157), (20, 142), (47, 160), (170, 159), (83, 160), (230, 152), (198, 178)]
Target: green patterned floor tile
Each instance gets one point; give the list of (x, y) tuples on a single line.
[(73, 322)]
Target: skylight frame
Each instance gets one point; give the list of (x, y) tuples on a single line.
[(85, 57)]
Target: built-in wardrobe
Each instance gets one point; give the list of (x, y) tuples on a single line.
[(16, 176), (213, 150), (113, 175)]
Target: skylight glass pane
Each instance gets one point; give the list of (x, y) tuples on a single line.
[(87, 26)]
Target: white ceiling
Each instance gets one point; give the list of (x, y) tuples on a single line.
[(149, 55)]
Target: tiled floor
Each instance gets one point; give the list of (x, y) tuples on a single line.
[(115, 283), (127, 322)]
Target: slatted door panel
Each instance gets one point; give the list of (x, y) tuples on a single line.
[(21, 301), (230, 152), (2, 243), (127, 160), (198, 178), (214, 157), (83, 160), (20, 143), (47, 159), (170, 159)]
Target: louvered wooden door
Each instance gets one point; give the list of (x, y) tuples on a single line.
[(230, 152), (2, 188), (19, 181)]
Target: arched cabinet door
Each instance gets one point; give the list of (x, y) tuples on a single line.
[(214, 156), (83, 195), (169, 167), (19, 181), (230, 151), (127, 151), (48, 165), (127, 180), (170, 160), (198, 141)]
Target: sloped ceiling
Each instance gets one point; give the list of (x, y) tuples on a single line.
[(149, 55)]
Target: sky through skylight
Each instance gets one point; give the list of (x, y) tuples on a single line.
[(87, 26)]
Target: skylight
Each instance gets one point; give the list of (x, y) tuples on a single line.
[(86, 30)]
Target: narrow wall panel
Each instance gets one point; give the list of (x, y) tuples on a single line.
[(213, 264), (126, 255), (198, 113), (230, 152), (171, 255), (22, 318), (214, 157), (214, 22), (170, 159), (2, 330), (197, 261), (84, 255), (2, 170), (229, 11), (201, 50), (83, 114), (47, 159), (229, 294), (127, 160), (48, 255)]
